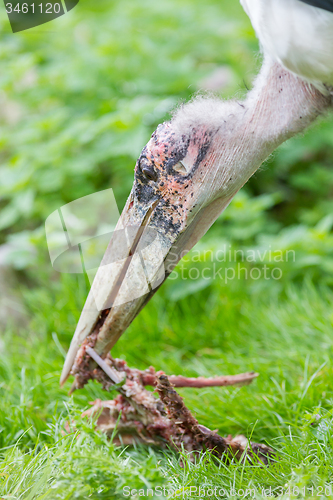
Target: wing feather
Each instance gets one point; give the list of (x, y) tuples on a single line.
[(321, 4), (298, 34)]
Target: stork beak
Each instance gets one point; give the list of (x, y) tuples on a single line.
[(130, 272), (166, 213)]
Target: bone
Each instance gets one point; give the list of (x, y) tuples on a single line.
[(105, 367), (111, 367), (200, 382), (136, 416)]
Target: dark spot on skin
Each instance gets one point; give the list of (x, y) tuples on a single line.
[(144, 192), (203, 150), (163, 222)]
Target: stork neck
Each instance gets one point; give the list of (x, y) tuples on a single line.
[(280, 106)]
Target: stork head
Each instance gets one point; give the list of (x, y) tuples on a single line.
[(185, 175), (174, 176), (181, 185)]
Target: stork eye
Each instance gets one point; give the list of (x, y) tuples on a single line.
[(149, 173), (179, 167)]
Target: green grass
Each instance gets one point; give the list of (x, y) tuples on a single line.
[(79, 99), (285, 336)]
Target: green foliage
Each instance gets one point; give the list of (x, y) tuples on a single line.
[(79, 108)]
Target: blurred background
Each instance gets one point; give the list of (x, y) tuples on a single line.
[(79, 98)]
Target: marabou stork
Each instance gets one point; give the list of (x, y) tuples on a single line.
[(194, 164)]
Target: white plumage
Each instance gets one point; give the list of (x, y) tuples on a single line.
[(297, 35)]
